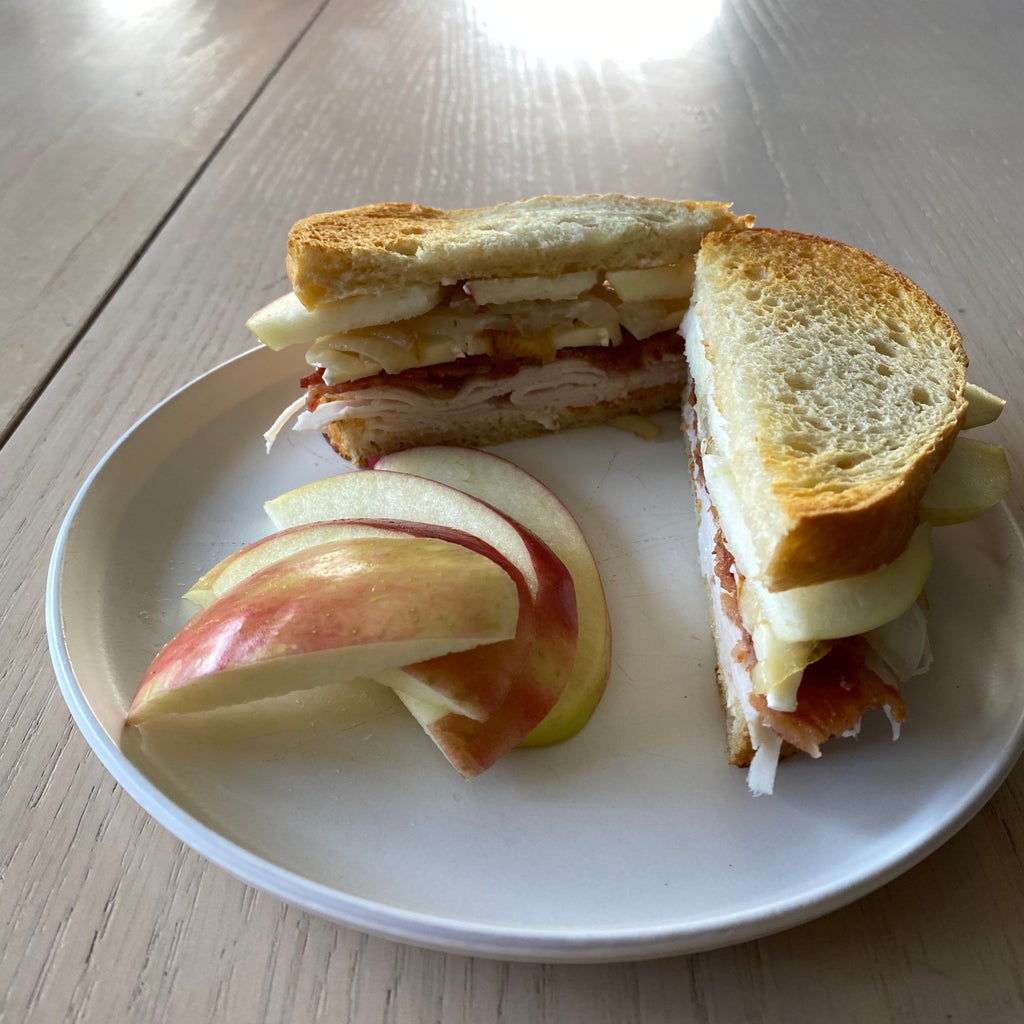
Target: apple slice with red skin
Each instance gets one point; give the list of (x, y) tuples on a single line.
[(530, 503), (241, 564), (329, 613), (474, 746), (470, 747), (471, 683), (361, 495)]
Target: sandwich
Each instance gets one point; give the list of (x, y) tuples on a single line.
[(479, 326), (823, 398), (825, 392)]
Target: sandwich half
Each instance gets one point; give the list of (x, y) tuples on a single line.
[(479, 326), (826, 390)]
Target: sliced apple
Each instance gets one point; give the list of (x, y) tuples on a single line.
[(473, 746), (246, 561), (550, 658), (407, 498), (329, 613), (476, 684), (530, 503), (471, 683), (501, 290), (974, 477), (669, 282), (838, 608), (643, 319), (286, 321), (982, 406)]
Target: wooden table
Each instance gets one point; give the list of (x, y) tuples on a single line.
[(154, 155)]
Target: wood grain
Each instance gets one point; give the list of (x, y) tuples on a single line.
[(897, 127), (111, 111)]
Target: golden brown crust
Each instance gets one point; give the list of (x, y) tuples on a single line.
[(327, 245), (395, 245), (846, 389), (857, 538)]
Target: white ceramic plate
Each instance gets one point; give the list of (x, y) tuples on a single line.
[(633, 840)]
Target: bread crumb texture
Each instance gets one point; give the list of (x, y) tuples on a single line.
[(843, 379)]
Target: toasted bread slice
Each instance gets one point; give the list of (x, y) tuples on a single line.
[(832, 388), (390, 246), (528, 374)]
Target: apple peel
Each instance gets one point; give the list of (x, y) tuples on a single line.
[(471, 683), (332, 612), (472, 747), (525, 499), (246, 561)]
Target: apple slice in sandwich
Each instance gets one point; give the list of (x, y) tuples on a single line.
[(974, 478), (530, 503), (551, 654), (332, 612)]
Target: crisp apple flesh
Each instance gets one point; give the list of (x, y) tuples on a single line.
[(396, 496), (551, 656), (974, 477), (471, 683), (286, 321), (530, 503), (669, 282), (982, 406), (474, 746), (531, 289), (329, 613), (845, 607)]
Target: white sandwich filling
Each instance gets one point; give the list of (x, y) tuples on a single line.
[(790, 629), (544, 394), (735, 677), (899, 649), (719, 460), (532, 319)]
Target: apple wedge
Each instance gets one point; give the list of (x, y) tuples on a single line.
[(550, 655), (530, 503), (470, 746), (360, 495), (286, 321), (329, 613), (241, 564), (982, 406), (471, 683), (974, 477)]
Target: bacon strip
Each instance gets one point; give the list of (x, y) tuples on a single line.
[(447, 378), (835, 692)]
